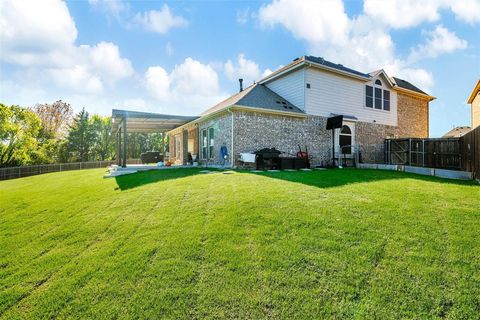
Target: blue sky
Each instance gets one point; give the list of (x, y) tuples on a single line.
[(183, 56)]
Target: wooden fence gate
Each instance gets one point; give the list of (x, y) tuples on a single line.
[(445, 153)]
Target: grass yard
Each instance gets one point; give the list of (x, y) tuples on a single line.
[(180, 244)]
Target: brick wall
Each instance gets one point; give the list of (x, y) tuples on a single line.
[(254, 131), (222, 126), (412, 116), (476, 112)]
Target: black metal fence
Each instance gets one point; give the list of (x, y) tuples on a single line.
[(444, 153), (25, 171)]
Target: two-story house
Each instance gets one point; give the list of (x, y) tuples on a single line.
[(290, 107), (474, 101)]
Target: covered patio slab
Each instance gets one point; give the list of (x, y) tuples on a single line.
[(124, 122)]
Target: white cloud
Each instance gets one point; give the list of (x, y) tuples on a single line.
[(421, 78), (34, 31), (467, 10), (188, 89), (47, 47), (77, 77), (309, 19), (266, 72), (402, 13), (160, 21), (113, 7), (246, 69), (104, 59), (409, 13), (158, 82), (440, 41), (364, 41), (243, 15)]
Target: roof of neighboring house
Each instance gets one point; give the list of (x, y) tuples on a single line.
[(474, 92), (407, 85), (256, 96), (457, 132)]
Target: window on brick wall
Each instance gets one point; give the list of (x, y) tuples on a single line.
[(204, 143), (211, 143)]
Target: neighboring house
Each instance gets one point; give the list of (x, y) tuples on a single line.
[(457, 132), (289, 108), (474, 100)]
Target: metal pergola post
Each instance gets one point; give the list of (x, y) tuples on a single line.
[(124, 123), (119, 148)]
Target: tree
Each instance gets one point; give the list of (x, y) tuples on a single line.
[(103, 144), (19, 128), (55, 119), (80, 138)]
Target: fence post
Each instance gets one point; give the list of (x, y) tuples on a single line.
[(423, 152), (409, 152)]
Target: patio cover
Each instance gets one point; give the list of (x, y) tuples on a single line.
[(124, 121), (147, 122)]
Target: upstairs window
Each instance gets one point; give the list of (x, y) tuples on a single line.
[(369, 97), (377, 97)]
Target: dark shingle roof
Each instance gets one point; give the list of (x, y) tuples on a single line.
[(256, 96), (407, 85), (330, 64), (457, 132)]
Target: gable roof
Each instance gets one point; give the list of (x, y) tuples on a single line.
[(474, 92), (336, 66), (407, 85), (321, 63), (259, 97), (457, 132)]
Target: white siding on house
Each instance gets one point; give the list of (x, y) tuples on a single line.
[(330, 93), (291, 87)]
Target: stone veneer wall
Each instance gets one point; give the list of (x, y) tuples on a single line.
[(254, 131)]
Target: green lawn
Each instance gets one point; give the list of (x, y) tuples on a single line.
[(180, 244)]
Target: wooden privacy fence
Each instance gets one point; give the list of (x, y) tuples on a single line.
[(445, 153), (25, 171)]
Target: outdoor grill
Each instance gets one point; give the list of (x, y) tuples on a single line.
[(267, 159)]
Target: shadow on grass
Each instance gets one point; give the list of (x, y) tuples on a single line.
[(338, 177), (141, 178), (317, 178)]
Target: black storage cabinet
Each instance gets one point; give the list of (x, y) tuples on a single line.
[(287, 163), (151, 157)]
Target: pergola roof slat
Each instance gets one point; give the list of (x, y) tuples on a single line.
[(148, 122)]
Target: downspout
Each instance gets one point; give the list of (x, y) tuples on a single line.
[(233, 154)]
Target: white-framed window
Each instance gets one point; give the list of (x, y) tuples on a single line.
[(345, 140), (204, 143), (211, 143), (207, 141), (376, 97)]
